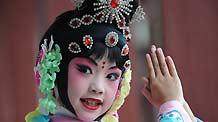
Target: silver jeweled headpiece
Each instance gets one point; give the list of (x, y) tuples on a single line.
[(107, 11)]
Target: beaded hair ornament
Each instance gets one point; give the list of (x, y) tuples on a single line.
[(106, 11)]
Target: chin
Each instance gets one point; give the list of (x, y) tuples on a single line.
[(87, 118)]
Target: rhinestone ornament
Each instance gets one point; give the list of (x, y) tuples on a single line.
[(74, 47), (127, 34), (88, 41), (138, 15), (75, 23), (127, 65), (113, 9), (99, 18), (87, 20), (125, 50), (111, 39), (121, 24), (128, 39)]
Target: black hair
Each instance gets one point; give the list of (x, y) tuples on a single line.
[(63, 35)]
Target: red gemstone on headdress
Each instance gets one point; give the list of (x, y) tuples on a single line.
[(88, 40), (114, 3), (87, 19), (126, 33), (112, 40), (121, 24), (126, 50)]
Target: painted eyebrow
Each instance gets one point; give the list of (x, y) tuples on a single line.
[(113, 67), (92, 61)]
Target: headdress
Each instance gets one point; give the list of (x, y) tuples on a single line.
[(75, 33)]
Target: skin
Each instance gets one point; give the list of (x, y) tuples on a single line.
[(163, 83), (96, 79)]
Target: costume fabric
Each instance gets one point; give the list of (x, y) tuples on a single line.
[(171, 111)]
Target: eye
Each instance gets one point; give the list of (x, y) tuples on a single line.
[(112, 76), (84, 69)]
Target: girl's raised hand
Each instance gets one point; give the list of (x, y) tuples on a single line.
[(162, 83)]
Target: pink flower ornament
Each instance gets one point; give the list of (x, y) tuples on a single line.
[(37, 77), (41, 55)]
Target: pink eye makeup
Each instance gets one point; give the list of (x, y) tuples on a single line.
[(114, 73), (88, 65)]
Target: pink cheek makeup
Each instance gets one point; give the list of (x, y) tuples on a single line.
[(117, 71), (114, 84), (74, 75)]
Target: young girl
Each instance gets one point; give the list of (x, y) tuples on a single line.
[(83, 67)]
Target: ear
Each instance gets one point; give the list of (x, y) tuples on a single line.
[(118, 93), (119, 88)]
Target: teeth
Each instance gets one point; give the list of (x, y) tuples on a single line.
[(91, 103)]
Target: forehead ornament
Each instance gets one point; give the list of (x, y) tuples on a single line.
[(111, 39), (88, 41), (74, 47)]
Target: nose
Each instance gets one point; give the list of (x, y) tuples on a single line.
[(97, 87), (96, 91)]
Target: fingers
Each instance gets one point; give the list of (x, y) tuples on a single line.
[(149, 67), (171, 66), (162, 62), (155, 60), (156, 63)]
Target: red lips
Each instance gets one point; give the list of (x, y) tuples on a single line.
[(91, 103)]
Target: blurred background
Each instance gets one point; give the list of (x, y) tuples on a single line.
[(187, 30)]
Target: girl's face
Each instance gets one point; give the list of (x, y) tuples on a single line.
[(92, 86)]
